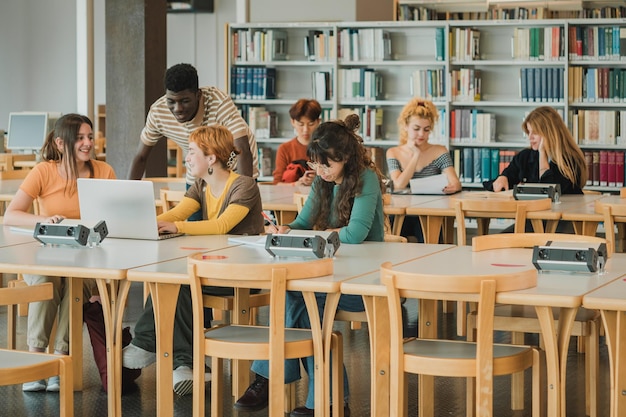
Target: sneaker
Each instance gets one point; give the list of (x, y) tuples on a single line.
[(255, 397), (34, 386), (54, 384), (183, 380), (134, 357)]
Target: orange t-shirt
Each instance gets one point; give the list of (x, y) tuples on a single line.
[(45, 183)]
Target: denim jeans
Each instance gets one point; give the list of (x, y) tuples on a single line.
[(296, 316)]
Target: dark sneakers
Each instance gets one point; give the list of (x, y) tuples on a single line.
[(256, 396), (303, 411)]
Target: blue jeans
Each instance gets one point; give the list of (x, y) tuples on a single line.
[(296, 316)]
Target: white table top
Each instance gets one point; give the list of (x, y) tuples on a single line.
[(558, 289), (350, 261), (610, 297), (10, 237), (110, 260)]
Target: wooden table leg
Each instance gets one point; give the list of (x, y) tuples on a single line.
[(378, 325), (241, 315), (398, 221), (615, 329), (113, 296), (431, 227), (76, 329), (556, 342), (164, 300)]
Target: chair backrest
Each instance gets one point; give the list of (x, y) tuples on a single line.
[(25, 294), (169, 198), (528, 240), (217, 271), (14, 174), (477, 288), (612, 213), (299, 199), (495, 208)]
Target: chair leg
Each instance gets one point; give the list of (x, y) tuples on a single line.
[(517, 379), (355, 325), (66, 393), (592, 363), (217, 386), (539, 383), (290, 397), (337, 373)]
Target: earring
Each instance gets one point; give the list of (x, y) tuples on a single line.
[(210, 171)]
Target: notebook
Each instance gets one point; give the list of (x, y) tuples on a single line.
[(429, 185), (127, 207)]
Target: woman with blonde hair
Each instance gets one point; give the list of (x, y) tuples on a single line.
[(415, 157), (553, 156)]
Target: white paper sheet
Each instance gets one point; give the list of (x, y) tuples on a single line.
[(429, 185)]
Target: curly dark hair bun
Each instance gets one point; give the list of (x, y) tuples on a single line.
[(352, 121)]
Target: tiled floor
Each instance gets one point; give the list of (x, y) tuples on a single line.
[(449, 397)]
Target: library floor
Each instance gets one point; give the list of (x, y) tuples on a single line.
[(449, 396)]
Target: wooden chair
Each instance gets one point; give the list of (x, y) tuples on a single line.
[(523, 319), (219, 304), (178, 168), (484, 209), (18, 367), (244, 342), (481, 360), (614, 215)]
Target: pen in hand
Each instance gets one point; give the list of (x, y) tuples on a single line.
[(272, 225)]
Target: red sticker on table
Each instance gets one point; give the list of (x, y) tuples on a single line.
[(213, 257), (189, 248), (508, 265)]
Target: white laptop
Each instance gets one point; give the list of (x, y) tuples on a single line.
[(127, 206)]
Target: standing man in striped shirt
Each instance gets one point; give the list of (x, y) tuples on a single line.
[(184, 108)]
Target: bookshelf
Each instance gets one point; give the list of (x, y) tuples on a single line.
[(484, 76)]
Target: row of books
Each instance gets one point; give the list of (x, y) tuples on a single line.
[(428, 83), (360, 83), (252, 45), (538, 43), (598, 127), (596, 85), (417, 12), (475, 165), (262, 122), (367, 44), (541, 84), (322, 85), (472, 126), (320, 45), (252, 83), (465, 84), (465, 44), (605, 168), (605, 43)]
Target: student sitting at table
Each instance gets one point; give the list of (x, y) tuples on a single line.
[(305, 118), (346, 197), (66, 155), (230, 203), (415, 157), (553, 158)]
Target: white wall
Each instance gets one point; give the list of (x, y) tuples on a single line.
[(37, 56), (38, 46)]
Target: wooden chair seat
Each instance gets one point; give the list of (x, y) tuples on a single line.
[(458, 358), (17, 367)]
